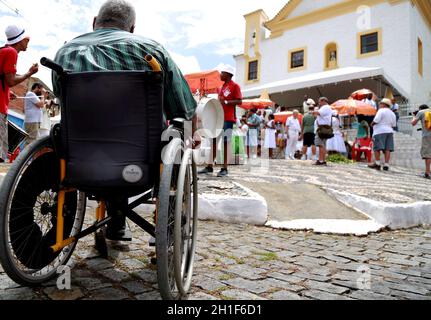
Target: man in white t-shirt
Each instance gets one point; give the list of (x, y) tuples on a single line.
[(293, 129), (383, 136), (324, 117), (33, 111)]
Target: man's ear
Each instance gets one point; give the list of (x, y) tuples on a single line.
[(94, 23), (132, 29)]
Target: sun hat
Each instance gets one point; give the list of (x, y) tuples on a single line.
[(311, 102), (387, 102), (15, 34), (228, 69)]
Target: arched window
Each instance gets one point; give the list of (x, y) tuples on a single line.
[(331, 56), (253, 38)]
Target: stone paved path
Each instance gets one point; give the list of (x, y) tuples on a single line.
[(245, 262)]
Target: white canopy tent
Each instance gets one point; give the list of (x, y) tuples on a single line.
[(334, 84)]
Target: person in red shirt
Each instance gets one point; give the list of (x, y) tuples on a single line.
[(229, 96), (17, 41)]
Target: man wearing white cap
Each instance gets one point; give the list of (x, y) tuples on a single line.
[(230, 96), (16, 41)]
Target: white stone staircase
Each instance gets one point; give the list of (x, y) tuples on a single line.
[(407, 151)]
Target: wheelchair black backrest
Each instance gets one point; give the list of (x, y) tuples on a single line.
[(111, 128)]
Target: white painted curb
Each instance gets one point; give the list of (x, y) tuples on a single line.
[(391, 215), (330, 226), (252, 209)]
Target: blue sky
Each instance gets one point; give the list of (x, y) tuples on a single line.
[(200, 35)]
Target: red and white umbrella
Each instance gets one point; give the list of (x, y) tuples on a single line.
[(262, 102), (350, 107), (361, 94), (257, 103)]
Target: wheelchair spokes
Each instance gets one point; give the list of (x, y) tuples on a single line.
[(185, 223), (171, 230), (28, 220), (176, 226)]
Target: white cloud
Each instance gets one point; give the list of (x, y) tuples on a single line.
[(189, 24), (187, 64)]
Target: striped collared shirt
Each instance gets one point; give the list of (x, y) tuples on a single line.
[(117, 50)]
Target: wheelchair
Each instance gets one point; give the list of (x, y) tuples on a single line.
[(112, 143)]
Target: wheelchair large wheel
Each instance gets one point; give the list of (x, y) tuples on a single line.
[(28, 212), (175, 258), (186, 222)]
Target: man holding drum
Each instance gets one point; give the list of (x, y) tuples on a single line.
[(16, 41), (230, 96)]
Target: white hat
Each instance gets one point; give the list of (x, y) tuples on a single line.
[(311, 102), (15, 34), (228, 69), (387, 102)]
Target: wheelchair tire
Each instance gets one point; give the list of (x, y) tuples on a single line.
[(28, 210), (165, 236), (186, 221)]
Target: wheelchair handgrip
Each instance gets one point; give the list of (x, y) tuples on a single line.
[(52, 65)]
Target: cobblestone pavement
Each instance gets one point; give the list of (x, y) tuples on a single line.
[(245, 262)]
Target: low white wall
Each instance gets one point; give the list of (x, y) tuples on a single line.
[(330, 226), (391, 215), (252, 209)]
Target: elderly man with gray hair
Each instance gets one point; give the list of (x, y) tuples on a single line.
[(112, 46)]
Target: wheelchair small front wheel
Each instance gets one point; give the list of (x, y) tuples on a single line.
[(28, 214)]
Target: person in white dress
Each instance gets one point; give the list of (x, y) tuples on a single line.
[(45, 125), (270, 132), (293, 129), (336, 144)]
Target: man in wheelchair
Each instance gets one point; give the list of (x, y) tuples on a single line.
[(114, 144), (112, 46)]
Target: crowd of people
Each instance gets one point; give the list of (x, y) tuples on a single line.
[(310, 137), (318, 132), (261, 125)]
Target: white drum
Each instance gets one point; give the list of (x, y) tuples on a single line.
[(210, 117)]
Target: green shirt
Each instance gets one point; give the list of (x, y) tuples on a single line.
[(117, 50), (363, 129), (308, 122)]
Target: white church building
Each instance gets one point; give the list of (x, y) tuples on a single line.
[(334, 47)]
